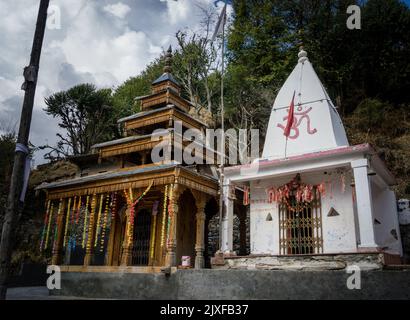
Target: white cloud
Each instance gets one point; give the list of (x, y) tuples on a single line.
[(119, 9), (178, 10)]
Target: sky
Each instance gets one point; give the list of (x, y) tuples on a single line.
[(99, 41)]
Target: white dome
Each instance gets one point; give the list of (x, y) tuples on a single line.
[(317, 125)]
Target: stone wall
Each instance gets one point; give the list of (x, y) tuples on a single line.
[(404, 220), (370, 261), (405, 239)]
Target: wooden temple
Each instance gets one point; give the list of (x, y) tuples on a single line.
[(122, 209)]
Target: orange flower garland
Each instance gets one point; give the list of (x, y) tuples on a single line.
[(104, 226), (85, 221)]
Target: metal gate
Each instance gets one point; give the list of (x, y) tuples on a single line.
[(142, 233), (300, 227)]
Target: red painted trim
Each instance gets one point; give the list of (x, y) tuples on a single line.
[(365, 147)]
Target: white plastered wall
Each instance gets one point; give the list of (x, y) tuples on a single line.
[(386, 220), (339, 232)]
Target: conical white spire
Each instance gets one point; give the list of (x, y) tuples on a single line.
[(317, 125)]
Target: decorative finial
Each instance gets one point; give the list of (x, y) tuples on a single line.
[(168, 61), (302, 55)]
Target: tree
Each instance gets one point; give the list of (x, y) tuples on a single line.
[(86, 115), (7, 147), (196, 64)]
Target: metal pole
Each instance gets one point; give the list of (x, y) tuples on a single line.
[(221, 202), (14, 203)]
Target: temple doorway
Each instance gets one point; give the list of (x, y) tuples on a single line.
[(300, 227), (118, 227), (142, 236), (186, 227)]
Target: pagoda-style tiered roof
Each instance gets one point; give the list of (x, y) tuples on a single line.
[(129, 157)]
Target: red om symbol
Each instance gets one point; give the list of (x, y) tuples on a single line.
[(297, 121)]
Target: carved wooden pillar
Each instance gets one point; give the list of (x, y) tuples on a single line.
[(200, 232), (57, 249), (89, 250), (127, 245), (170, 257)]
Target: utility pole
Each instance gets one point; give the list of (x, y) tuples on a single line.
[(15, 200)]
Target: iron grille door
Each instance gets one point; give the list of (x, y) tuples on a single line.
[(142, 233), (300, 227)]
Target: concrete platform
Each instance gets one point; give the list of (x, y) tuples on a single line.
[(236, 284)]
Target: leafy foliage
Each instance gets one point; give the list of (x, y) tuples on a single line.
[(86, 115)]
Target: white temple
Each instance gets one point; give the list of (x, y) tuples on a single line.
[(312, 193)]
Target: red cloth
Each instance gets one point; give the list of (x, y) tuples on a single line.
[(290, 116)]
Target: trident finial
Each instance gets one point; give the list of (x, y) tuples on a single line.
[(168, 61)]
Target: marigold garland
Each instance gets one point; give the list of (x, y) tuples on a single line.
[(85, 221), (91, 223), (74, 211), (43, 233), (170, 213), (74, 225), (154, 227), (303, 193), (104, 227), (114, 206), (164, 216), (67, 222), (132, 205), (50, 218), (97, 230), (78, 210), (56, 225)]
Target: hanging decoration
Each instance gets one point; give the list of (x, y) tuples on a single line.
[(85, 222), (56, 225), (164, 216), (170, 213), (303, 193), (91, 223), (154, 227), (78, 211), (97, 230), (330, 189), (131, 203), (104, 226), (73, 215), (321, 188), (50, 218), (245, 195), (75, 226), (43, 233), (67, 222), (114, 206)]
